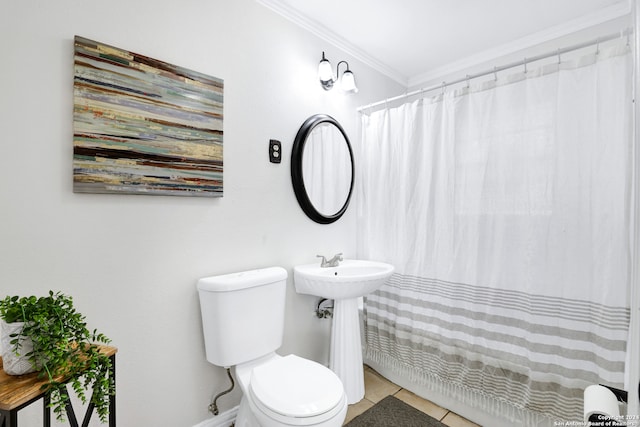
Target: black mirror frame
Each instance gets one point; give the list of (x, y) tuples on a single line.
[(296, 169)]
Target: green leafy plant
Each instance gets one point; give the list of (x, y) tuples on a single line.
[(64, 350)]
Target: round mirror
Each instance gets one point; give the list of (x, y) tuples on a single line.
[(322, 169)]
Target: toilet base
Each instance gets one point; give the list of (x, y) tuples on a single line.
[(247, 418)]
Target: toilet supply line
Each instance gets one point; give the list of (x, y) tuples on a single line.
[(213, 407)]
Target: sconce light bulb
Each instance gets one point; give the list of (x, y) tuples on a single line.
[(324, 70), (325, 73), (348, 82)]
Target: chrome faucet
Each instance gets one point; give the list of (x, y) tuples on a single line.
[(333, 262)]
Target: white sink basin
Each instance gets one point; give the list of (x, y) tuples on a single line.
[(351, 279)]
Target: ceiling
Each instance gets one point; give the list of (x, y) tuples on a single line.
[(410, 40)]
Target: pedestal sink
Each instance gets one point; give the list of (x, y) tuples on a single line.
[(344, 284)]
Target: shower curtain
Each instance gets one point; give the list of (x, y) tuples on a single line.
[(505, 208)]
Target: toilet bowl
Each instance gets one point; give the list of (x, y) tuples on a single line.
[(243, 325), (290, 391)]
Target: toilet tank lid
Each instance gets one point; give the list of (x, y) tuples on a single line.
[(242, 280)]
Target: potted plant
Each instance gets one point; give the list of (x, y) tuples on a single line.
[(53, 337)]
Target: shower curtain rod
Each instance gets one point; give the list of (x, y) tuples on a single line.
[(626, 32)]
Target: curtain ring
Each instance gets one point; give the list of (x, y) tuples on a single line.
[(628, 32), (559, 58), (524, 62), (444, 85), (468, 84), (495, 73), (598, 46)]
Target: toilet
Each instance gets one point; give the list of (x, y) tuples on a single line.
[(243, 325)]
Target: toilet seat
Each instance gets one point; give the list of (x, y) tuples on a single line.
[(296, 391)]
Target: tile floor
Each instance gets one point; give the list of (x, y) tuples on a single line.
[(377, 388)]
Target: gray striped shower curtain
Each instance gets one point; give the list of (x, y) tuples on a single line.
[(505, 208)]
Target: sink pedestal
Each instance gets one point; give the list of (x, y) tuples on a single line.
[(346, 348), (344, 284)]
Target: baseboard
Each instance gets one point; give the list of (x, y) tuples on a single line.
[(225, 419)]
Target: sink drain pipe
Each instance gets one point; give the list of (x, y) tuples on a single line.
[(324, 308), (213, 407)]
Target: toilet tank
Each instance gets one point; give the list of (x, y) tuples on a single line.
[(242, 314)]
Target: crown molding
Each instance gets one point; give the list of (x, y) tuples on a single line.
[(599, 17), (329, 36), (587, 21)]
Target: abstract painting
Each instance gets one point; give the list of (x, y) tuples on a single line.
[(143, 126)]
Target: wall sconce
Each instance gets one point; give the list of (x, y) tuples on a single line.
[(327, 80)]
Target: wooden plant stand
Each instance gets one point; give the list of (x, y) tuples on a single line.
[(18, 392)]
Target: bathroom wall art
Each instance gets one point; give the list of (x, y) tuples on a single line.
[(143, 126)]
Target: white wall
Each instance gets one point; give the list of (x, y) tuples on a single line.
[(131, 262)]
